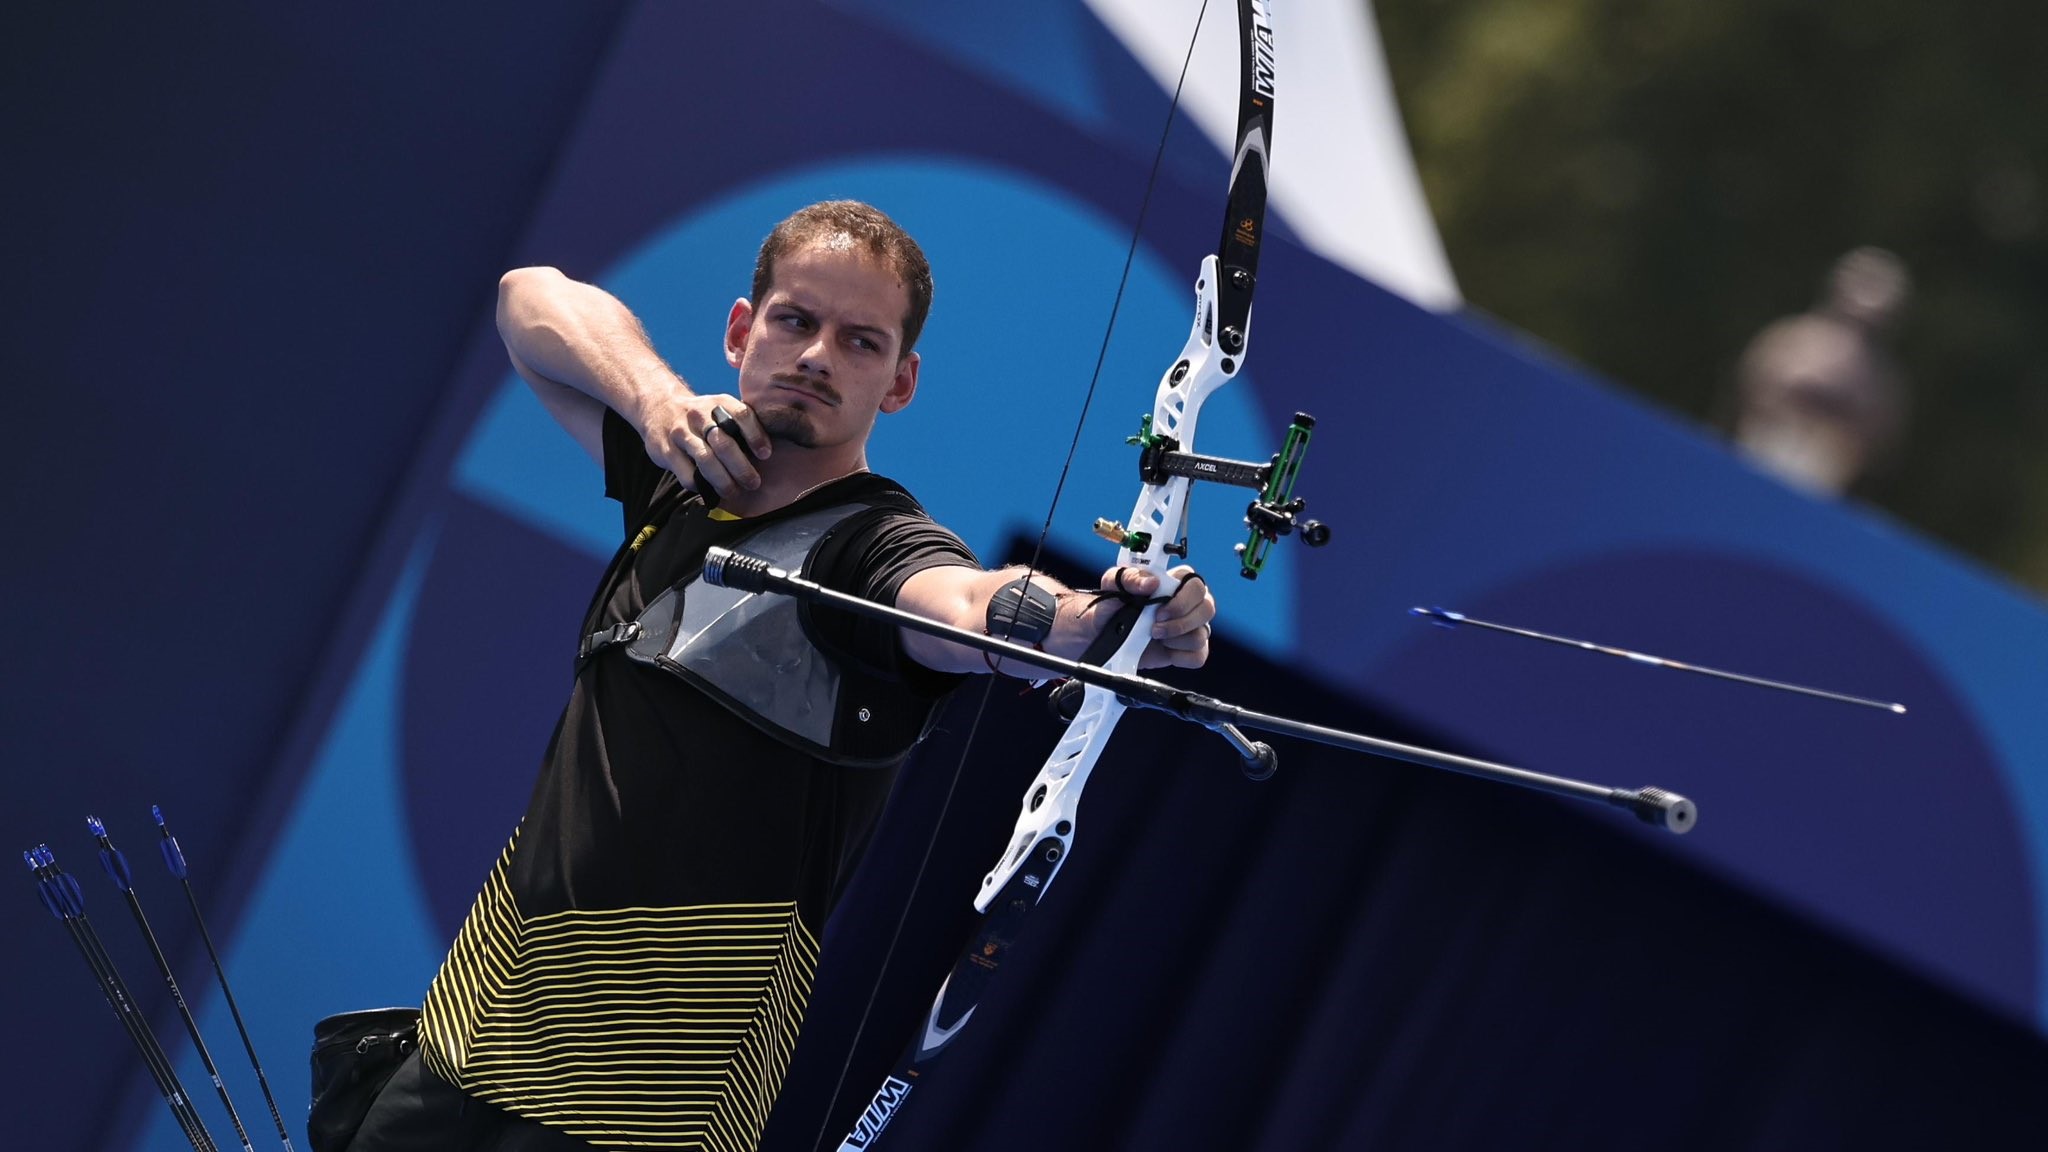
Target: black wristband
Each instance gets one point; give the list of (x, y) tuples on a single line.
[(1022, 611)]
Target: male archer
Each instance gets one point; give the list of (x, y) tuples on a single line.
[(635, 970)]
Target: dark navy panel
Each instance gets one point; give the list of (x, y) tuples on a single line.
[(246, 244)]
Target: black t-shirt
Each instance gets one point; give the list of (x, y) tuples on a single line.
[(651, 794), (636, 967)]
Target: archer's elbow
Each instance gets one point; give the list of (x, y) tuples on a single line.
[(520, 292)]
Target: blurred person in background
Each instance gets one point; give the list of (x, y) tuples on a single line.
[(1820, 398)]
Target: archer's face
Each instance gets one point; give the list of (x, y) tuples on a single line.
[(819, 357)]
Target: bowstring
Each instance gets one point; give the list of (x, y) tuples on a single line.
[(1030, 573)]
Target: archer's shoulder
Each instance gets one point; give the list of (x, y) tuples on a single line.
[(880, 491)]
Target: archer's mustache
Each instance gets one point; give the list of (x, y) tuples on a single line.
[(818, 388)]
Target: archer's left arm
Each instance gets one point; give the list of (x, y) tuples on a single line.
[(960, 596)]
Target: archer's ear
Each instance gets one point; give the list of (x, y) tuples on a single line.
[(738, 323), (903, 387)]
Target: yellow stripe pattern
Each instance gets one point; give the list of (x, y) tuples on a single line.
[(629, 1027)]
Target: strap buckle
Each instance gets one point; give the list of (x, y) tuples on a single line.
[(624, 632)]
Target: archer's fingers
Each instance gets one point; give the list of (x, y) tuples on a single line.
[(667, 452), (698, 466), (1192, 606), (1130, 580), (1185, 650), (749, 429), (731, 454)]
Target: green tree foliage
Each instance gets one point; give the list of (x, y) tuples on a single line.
[(1645, 185)]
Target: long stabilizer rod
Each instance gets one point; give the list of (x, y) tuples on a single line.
[(1668, 810)]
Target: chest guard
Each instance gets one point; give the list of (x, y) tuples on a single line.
[(755, 654)]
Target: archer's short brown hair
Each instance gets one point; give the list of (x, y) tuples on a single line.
[(871, 229)]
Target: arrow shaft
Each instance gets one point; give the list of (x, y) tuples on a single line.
[(163, 967), (1458, 618), (115, 991), (174, 860)]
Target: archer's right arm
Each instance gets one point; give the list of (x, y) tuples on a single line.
[(582, 351)]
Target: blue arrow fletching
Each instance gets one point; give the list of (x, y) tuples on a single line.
[(93, 825), (117, 868), (49, 899), (174, 858), (70, 894)]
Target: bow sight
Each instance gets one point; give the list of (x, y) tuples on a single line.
[(1272, 515)]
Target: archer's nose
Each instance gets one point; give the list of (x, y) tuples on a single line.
[(816, 360)]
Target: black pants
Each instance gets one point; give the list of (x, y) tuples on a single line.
[(420, 1112)]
